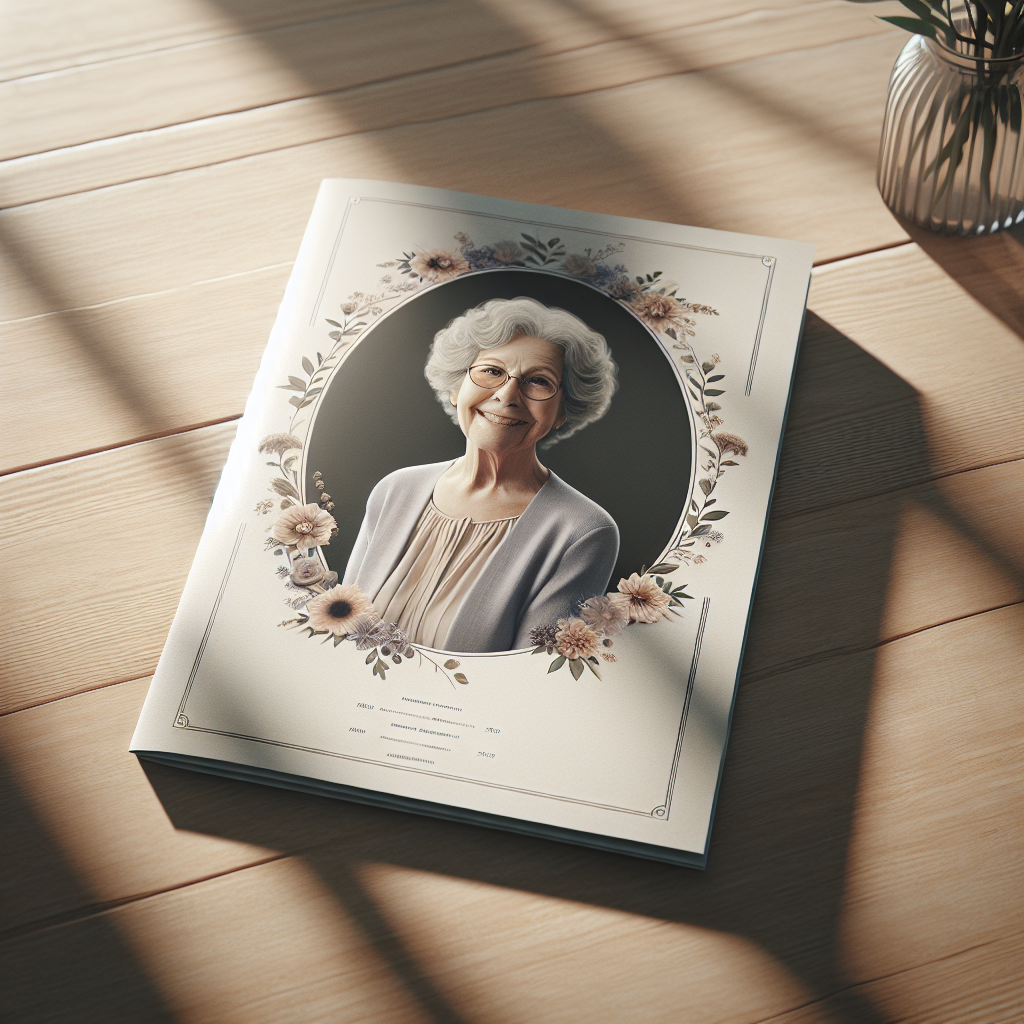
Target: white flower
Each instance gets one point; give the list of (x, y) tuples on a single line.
[(438, 265), (305, 526), (606, 613)]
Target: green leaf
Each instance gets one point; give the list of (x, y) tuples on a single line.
[(717, 376), (665, 567), (591, 663), (714, 515), (371, 656), (461, 678), (333, 323), (308, 366), (701, 531), (914, 25), (714, 392), (530, 238), (705, 485), (576, 667), (556, 664), (297, 382)]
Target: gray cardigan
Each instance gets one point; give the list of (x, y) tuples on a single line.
[(560, 552)]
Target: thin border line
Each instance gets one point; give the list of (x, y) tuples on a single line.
[(667, 806), (408, 768), (760, 326), (181, 722), (330, 262)]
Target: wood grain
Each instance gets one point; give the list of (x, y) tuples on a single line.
[(476, 55), (130, 522), (525, 75)]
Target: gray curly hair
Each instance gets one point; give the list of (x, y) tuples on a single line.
[(588, 374)]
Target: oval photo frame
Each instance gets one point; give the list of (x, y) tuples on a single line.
[(377, 413)]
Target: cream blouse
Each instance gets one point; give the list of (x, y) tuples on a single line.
[(444, 557)]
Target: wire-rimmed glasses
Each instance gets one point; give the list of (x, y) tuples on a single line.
[(538, 387)]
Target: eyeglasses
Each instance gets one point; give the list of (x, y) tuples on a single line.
[(536, 387)]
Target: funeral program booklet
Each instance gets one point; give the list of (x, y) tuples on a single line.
[(486, 541)]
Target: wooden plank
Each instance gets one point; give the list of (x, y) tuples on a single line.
[(44, 36), (129, 524), (531, 58), (463, 88), (820, 754), (952, 365), (133, 368)]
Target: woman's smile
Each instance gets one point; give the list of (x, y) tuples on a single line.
[(504, 421)]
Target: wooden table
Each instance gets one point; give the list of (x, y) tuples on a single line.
[(157, 174)]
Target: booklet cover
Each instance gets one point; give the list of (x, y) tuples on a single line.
[(486, 542)]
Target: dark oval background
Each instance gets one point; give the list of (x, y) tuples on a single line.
[(379, 414)]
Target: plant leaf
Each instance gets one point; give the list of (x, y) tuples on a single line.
[(556, 664), (713, 515), (665, 567), (576, 667), (717, 376), (461, 678), (333, 323), (283, 487), (915, 25), (714, 392), (451, 663)]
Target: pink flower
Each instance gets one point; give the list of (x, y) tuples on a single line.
[(660, 311), (647, 601), (575, 639)]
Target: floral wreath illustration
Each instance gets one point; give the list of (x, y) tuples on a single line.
[(340, 613)]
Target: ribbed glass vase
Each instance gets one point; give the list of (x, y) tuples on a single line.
[(951, 156)]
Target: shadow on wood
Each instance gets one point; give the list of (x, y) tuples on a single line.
[(991, 269), (50, 973), (778, 849)]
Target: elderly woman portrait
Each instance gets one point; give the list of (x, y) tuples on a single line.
[(471, 555)]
